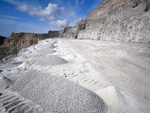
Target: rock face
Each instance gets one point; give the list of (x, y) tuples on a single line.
[(2, 40), (2, 49), (54, 34), (18, 41), (2, 52), (70, 32), (117, 20)]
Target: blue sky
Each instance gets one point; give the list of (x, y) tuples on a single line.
[(40, 16)]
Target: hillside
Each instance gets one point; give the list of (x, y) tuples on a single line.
[(118, 20)]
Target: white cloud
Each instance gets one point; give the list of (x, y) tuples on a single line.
[(62, 23), (52, 18), (7, 21), (58, 17), (8, 16), (62, 8), (23, 7), (50, 12), (72, 14), (42, 19), (11, 2), (76, 22)]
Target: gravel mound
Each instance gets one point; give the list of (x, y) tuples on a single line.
[(2, 109), (12, 102), (58, 95), (24, 65), (5, 83), (50, 61), (45, 51)]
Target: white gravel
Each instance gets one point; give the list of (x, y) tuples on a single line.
[(117, 72), (57, 94)]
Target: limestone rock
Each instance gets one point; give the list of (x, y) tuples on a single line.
[(118, 20), (70, 32), (115, 20)]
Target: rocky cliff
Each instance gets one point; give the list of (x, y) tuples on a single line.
[(18, 41), (117, 20), (2, 40), (2, 49)]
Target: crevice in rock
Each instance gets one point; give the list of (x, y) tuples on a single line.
[(147, 8), (135, 5)]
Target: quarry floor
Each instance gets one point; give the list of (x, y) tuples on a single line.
[(118, 72)]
